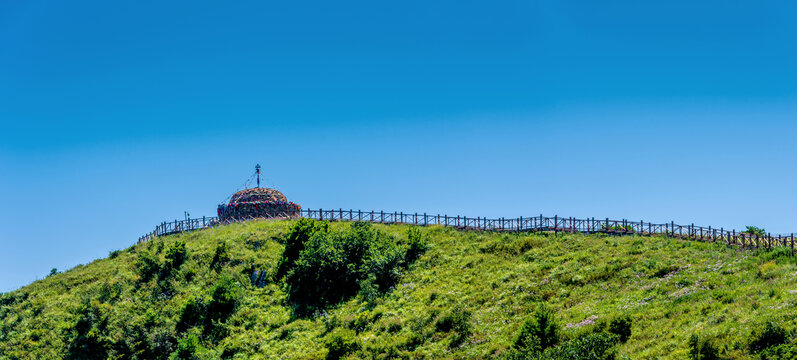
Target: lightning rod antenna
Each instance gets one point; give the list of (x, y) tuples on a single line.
[(257, 170)]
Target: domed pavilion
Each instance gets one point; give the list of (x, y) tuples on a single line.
[(258, 203)]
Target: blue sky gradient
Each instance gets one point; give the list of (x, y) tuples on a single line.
[(116, 116)]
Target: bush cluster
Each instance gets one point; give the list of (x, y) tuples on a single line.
[(322, 267), (540, 338)]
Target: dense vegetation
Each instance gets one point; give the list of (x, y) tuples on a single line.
[(306, 289)]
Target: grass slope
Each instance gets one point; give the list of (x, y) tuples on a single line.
[(671, 289)]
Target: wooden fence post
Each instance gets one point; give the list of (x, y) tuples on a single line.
[(555, 223)]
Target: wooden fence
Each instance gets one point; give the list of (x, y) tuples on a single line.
[(534, 223)]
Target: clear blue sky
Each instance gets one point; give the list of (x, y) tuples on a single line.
[(115, 116)]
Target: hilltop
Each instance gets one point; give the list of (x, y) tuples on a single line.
[(310, 290)]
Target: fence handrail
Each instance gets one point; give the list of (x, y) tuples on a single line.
[(533, 223)]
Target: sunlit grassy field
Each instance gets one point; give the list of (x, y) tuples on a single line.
[(671, 289)]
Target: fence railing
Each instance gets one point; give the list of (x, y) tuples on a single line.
[(533, 223)]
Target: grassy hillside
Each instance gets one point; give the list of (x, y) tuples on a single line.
[(405, 293)]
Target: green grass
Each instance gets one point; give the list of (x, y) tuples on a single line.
[(490, 282)]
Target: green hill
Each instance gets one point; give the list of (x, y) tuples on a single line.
[(308, 290)]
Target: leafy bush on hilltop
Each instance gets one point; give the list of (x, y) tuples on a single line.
[(147, 265), (328, 266)]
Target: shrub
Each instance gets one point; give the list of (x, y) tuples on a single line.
[(766, 335), (665, 270), (538, 333), (175, 255), (295, 241), (702, 348), (341, 342), (188, 348), (458, 321), (223, 298), (220, 256), (782, 255), (600, 346), (782, 351), (192, 314), (618, 227), (621, 327), (320, 276), (767, 270), (384, 262), (417, 244), (88, 340), (147, 265), (114, 254), (53, 271), (333, 265)]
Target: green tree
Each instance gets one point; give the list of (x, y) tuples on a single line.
[(755, 231)]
